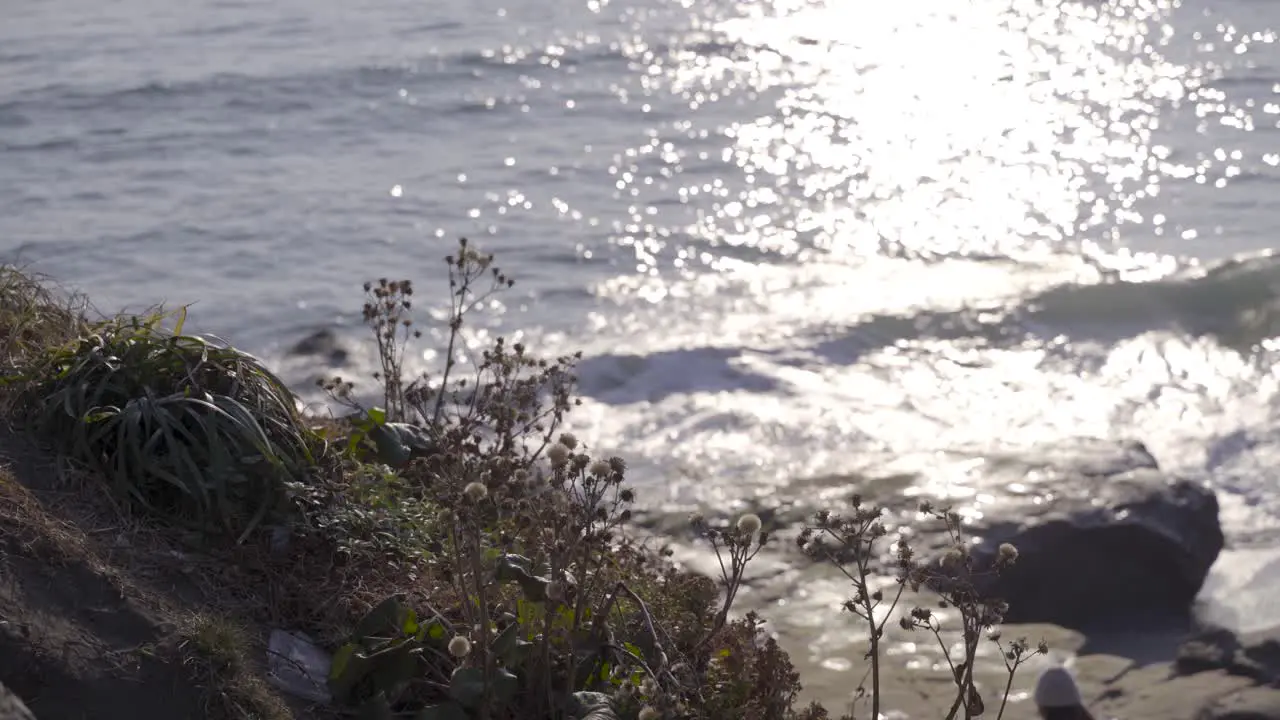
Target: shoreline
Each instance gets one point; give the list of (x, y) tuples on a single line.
[(1127, 672)]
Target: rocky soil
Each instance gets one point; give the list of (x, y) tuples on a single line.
[(89, 628)]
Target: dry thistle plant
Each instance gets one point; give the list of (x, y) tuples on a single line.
[(507, 400), (490, 542), (734, 547), (850, 543), (537, 587), (508, 535), (533, 603)]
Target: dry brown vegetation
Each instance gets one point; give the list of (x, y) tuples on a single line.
[(458, 553)]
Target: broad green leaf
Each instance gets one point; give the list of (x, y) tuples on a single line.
[(409, 625), (393, 668), (467, 686), (505, 643), (341, 658), (353, 442), (383, 619), (520, 653), (591, 706), (587, 674), (353, 668), (391, 451), (505, 685), (411, 436), (510, 563), (516, 567)]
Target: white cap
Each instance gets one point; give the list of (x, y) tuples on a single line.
[(1057, 689)]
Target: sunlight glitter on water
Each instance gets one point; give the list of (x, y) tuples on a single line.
[(842, 303), (924, 131), (1015, 129)]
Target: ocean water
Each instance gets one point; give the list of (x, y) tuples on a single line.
[(793, 238)]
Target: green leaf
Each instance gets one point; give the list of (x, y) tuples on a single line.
[(444, 711), (517, 568), (505, 643), (585, 674), (411, 436), (394, 667), (520, 653), (341, 659), (591, 706), (505, 685), (391, 451), (376, 415), (350, 666), (384, 619), (435, 629), (467, 686), (565, 614), (181, 314), (409, 624), (353, 442), (511, 567), (395, 443), (389, 669)]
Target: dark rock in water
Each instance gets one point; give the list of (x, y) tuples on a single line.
[(1255, 703), (1104, 537), (1209, 650), (12, 707), (1102, 540), (1141, 546), (1254, 655), (323, 343)]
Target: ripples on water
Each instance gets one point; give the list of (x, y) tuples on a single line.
[(794, 238), (869, 280)]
